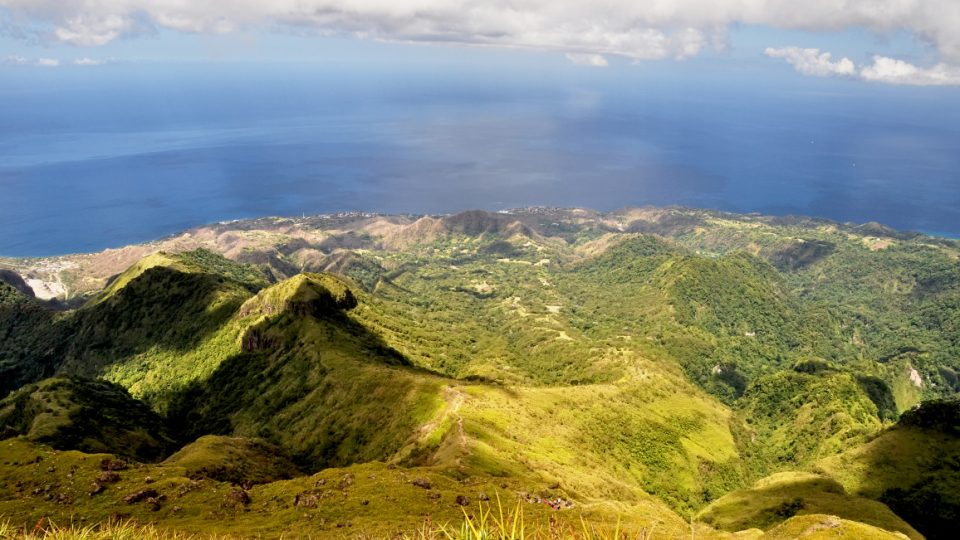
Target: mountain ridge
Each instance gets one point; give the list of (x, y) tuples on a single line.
[(653, 359)]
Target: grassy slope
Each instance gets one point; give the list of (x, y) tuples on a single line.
[(585, 354), (236, 460), (324, 388), (83, 414), (371, 499), (777, 498), (797, 418), (166, 322), (823, 527), (914, 467)]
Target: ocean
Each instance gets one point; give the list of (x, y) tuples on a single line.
[(102, 157)]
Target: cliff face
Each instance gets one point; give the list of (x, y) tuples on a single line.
[(14, 280)]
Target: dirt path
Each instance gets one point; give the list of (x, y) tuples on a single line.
[(455, 398)]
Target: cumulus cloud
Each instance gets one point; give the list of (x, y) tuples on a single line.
[(635, 30), (48, 62), (88, 62), (591, 60), (14, 61), (882, 70), (812, 61), (893, 71)]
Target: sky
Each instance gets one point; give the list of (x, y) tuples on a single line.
[(126, 120), (880, 42)]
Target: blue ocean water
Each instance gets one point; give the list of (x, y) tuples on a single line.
[(96, 158)]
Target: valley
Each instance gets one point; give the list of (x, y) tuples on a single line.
[(671, 371)]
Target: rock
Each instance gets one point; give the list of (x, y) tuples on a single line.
[(108, 477), (237, 497), (422, 483), (483, 497), (308, 499), (462, 500), (96, 488), (345, 482), (138, 496), (433, 496), (148, 480), (113, 465), (153, 503)]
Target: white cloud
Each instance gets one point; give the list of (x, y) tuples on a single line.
[(893, 71), (14, 61), (88, 62), (882, 70), (591, 60), (93, 30), (812, 61), (48, 62), (637, 30)]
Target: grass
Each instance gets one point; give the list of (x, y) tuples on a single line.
[(487, 524), (777, 498), (654, 376), (123, 530), (70, 412), (914, 467)]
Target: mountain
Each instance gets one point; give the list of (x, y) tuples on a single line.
[(912, 466), (88, 415), (644, 365)]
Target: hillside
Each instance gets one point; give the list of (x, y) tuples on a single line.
[(913, 466), (82, 414), (651, 364)]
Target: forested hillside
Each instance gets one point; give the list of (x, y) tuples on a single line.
[(647, 364)]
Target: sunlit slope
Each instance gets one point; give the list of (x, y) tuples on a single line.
[(914, 467), (777, 498), (238, 460), (85, 414), (642, 436), (294, 365), (647, 369), (167, 321), (309, 378), (372, 499)]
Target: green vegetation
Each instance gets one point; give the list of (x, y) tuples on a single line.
[(913, 467), (777, 498), (235, 460), (82, 414), (27, 354), (647, 364), (799, 417)]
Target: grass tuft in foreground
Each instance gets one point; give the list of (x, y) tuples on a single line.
[(486, 524)]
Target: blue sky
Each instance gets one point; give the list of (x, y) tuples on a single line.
[(164, 114)]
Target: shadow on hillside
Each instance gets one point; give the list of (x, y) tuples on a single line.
[(30, 343), (929, 496), (325, 389), (161, 308)]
